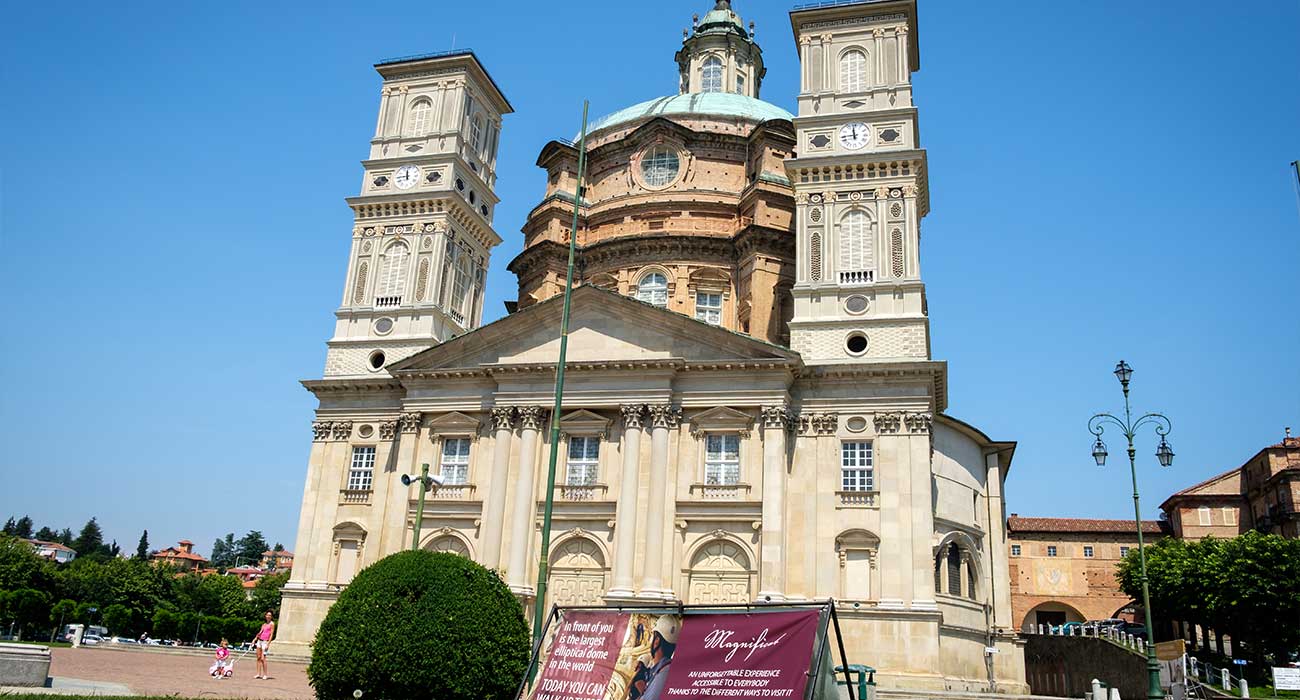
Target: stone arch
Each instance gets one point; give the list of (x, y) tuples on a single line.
[(1054, 612), (578, 570), (845, 67), (858, 550), (957, 566), (720, 571), (644, 273), (451, 541)]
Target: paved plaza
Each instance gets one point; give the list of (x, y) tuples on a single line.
[(148, 672)]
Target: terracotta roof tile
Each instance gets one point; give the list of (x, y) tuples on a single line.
[(1018, 524)]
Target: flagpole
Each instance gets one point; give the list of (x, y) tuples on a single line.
[(544, 560)]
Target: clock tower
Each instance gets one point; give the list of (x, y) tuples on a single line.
[(423, 220), (860, 186)]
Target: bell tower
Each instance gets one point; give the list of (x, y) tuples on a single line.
[(860, 186), (423, 220)]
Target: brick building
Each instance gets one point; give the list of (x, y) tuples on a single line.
[(1262, 494), (1063, 569)]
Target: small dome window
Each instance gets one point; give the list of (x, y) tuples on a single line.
[(653, 289), (711, 75), (659, 166)]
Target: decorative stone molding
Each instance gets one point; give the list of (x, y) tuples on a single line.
[(341, 429), (887, 422), (818, 423), (320, 430), (387, 429), (881, 193), (503, 418), (776, 416), (633, 414), (531, 417), (664, 415), (721, 419), (584, 422), (878, 32), (410, 422), (801, 198), (901, 29), (910, 190), (918, 423)]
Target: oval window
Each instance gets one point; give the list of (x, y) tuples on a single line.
[(659, 166)]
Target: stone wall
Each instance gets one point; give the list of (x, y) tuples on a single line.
[(1065, 666)]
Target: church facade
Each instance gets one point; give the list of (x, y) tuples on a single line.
[(751, 411)]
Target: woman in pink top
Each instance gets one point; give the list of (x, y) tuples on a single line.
[(263, 642)]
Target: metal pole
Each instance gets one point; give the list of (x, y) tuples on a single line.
[(419, 512), (1154, 691), (543, 561)]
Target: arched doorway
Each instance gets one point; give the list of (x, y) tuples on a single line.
[(578, 575), (719, 573), (449, 544), (1053, 613)]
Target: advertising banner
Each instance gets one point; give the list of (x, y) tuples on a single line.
[(614, 655)]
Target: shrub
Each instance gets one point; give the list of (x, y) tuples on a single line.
[(421, 625)]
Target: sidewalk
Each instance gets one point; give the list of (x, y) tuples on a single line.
[(172, 674)]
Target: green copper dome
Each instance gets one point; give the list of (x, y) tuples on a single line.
[(720, 104)]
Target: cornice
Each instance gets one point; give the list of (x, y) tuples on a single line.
[(667, 365), (355, 386)]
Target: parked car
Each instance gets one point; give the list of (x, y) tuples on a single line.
[(1135, 629), (1068, 628), (91, 639), (1099, 626), (122, 640)]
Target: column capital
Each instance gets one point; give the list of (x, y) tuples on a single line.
[(503, 418), (320, 430), (388, 429), (887, 422), (664, 415), (531, 417), (777, 416), (918, 423), (410, 421), (341, 429), (633, 414)]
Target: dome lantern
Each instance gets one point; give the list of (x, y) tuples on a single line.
[(719, 55)]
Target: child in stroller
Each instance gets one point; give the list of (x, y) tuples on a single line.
[(223, 666)]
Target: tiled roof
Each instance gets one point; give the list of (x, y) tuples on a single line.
[(171, 553), (51, 545), (1018, 524)]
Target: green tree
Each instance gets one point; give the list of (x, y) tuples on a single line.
[(45, 534), (23, 528), (266, 595), (62, 612), (28, 608), (10, 526), (142, 548), (65, 538), (90, 540), (419, 625), (228, 594), (166, 624), (223, 552), (250, 547), (117, 618), (19, 565)]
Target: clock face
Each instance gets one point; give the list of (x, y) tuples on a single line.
[(406, 177), (854, 135)]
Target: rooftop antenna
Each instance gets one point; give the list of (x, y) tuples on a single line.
[(453, 41)]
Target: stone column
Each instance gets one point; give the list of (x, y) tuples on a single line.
[(401, 115), (494, 509), (383, 112), (878, 58), (625, 516), (390, 495), (663, 417), (895, 506), (999, 596), (805, 64), (904, 73), (922, 510), (911, 233), (308, 547), (771, 586), (829, 73), (531, 420)]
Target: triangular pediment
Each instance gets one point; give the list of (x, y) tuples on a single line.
[(603, 327), (454, 423), (584, 422), (721, 419)]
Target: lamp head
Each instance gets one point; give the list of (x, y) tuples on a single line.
[(1099, 452), (406, 480), (435, 480), (1123, 372), (1165, 453)]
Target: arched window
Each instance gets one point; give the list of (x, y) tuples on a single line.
[(711, 75), (653, 289), (853, 71), (954, 570), (420, 112), (856, 260), (392, 275)]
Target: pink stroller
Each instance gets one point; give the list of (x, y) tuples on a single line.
[(223, 666)]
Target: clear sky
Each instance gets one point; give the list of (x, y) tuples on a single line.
[(1109, 180)]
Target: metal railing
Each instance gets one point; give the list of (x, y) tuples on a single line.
[(857, 276), (390, 302), (1131, 642)]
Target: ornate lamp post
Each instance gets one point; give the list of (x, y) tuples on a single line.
[(1128, 426)]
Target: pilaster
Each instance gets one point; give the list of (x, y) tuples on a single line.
[(531, 421), (626, 515), (776, 421), (503, 425), (663, 418)]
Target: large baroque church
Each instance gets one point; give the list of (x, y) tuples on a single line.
[(751, 412)]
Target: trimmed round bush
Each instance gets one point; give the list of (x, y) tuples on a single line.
[(421, 625)]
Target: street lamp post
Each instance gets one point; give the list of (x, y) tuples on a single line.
[(428, 483), (1129, 427)]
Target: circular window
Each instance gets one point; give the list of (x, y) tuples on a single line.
[(384, 326), (856, 343), (659, 166), (366, 431), (856, 424), (377, 359), (856, 304)]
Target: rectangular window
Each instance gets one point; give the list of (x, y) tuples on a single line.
[(361, 474), (722, 460), (708, 308), (1123, 552), (855, 466), (1015, 550), (740, 84), (583, 455), (1051, 550), (1203, 514), (1229, 516), (455, 461), (1087, 551)]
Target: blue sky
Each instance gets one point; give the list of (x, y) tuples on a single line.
[(1109, 179)]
